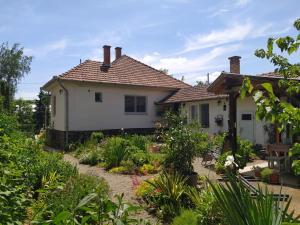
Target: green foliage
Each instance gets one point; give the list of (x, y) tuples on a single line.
[(170, 194), (97, 137), (120, 169), (266, 173), (187, 217), (239, 207), (270, 106), (92, 157), (13, 66), (139, 141), (182, 144), (24, 112), (115, 150), (42, 112), (148, 169), (140, 158)]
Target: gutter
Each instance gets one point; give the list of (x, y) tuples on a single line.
[(66, 109)]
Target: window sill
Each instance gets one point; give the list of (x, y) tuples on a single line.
[(136, 113)]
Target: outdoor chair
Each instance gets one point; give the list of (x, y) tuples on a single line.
[(278, 154)]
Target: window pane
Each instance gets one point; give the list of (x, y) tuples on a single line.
[(246, 117), (129, 103), (98, 97), (193, 113), (141, 104), (204, 115)]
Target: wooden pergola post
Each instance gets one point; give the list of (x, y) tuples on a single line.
[(232, 130)]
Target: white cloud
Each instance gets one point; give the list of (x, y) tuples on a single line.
[(192, 68), (234, 33), (242, 3), (218, 12), (48, 48)]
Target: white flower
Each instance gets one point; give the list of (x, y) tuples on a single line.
[(268, 109), (229, 161)]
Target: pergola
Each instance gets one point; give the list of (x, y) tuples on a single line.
[(230, 84)]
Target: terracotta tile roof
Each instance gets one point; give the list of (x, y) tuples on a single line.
[(192, 94), (124, 70), (274, 75)]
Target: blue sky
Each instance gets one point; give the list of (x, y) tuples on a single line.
[(188, 37)]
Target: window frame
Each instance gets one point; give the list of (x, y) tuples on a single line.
[(101, 97), (135, 112), (201, 116)]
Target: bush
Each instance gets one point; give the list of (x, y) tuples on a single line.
[(92, 158), (115, 150), (97, 137), (120, 169), (266, 173), (187, 217), (140, 158), (148, 169), (139, 141), (67, 199)]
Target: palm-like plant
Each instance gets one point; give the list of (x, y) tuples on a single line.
[(241, 208)]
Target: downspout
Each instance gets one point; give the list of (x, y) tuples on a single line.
[(66, 110)]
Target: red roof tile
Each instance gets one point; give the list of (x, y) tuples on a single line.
[(124, 70), (192, 94)]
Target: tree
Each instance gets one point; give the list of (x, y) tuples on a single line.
[(13, 66), (42, 112), (281, 112), (23, 110)]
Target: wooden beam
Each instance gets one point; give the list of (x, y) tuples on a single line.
[(232, 131)]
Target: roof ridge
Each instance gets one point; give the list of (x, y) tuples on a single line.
[(157, 70)]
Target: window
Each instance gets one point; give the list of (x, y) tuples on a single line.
[(204, 115), (54, 105), (135, 104), (194, 113), (98, 97), (246, 117)]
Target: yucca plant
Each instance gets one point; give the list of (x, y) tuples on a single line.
[(241, 208)]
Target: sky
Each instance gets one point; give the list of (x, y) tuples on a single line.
[(190, 38)]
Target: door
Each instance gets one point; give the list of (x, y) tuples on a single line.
[(246, 126)]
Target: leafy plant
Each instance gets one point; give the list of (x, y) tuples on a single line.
[(139, 141), (120, 169), (266, 173), (92, 157), (239, 207), (147, 169), (97, 137), (115, 150), (187, 217)]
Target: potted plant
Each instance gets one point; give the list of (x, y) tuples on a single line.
[(219, 120), (257, 171), (270, 175)]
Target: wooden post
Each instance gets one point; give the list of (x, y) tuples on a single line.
[(232, 131)]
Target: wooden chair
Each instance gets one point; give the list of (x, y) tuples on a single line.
[(278, 153)]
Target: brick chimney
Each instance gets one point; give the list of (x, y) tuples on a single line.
[(106, 55), (235, 64), (118, 52)]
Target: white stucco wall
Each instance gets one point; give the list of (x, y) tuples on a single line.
[(247, 105), (215, 108), (243, 106), (58, 120), (85, 114)]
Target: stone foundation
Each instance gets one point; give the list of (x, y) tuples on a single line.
[(57, 139)]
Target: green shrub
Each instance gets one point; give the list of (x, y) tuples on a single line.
[(147, 169), (187, 217), (266, 173), (139, 141), (120, 169), (92, 158), (115, 150), (140, 158), (97, 137), (67, 199)]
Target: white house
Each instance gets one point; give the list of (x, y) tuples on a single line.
[(128, 95), (107, 96)]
